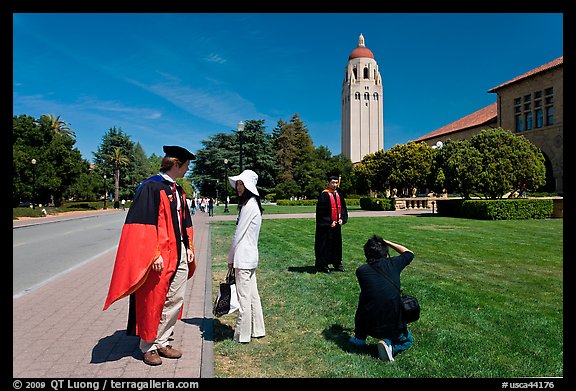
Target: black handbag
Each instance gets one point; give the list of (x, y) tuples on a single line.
[(227, 299), (409, 304)]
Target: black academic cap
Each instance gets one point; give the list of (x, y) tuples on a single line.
[(179, 153)]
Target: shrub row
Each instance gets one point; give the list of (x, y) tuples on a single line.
[(375, 203), (349, 202), (504, 209)]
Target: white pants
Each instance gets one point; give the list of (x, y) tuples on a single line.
[(172, 305), (250, 322)]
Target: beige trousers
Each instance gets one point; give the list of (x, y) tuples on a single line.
[(250, 321), (172, 305)]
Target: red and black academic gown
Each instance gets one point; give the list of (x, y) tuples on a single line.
[(150, 230), (330, 207)]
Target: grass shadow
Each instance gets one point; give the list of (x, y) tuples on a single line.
[(340, 336), (302, 269), (221, 331)]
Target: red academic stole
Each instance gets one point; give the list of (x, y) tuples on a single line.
[(335, 205)]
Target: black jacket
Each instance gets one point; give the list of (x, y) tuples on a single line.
[(378, 312)]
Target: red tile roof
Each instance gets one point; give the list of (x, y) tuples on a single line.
[(552, 64), (481, 117), (489, 113)]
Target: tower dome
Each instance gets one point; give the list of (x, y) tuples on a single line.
[(361, 51)]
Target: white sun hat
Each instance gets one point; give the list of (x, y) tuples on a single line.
[(249, 178)]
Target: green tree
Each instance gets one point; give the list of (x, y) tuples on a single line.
[(459, 167), (56, 124), (58, 164), (295, 160), (209, 170), (258, 154), (408, 166), (510, 162), (116, 158)]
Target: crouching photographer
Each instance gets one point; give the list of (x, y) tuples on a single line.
[(379, 312)]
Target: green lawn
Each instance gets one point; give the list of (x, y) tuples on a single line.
[(275, 209), (490, 292)]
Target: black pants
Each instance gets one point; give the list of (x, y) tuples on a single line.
[(328, 246)]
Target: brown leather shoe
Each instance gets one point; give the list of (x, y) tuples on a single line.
[(152, 358), (169, 352)]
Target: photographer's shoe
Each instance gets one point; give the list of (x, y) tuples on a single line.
[(385, 351)]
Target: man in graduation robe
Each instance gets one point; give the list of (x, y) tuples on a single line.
[(155, 257), (331, 214)]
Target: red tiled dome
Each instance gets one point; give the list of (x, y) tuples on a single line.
[(361, 52)]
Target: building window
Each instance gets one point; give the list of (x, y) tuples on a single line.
[(539, 118), (519, 125), (366, 73), (529, 120), (550, 116), (375, 96), (357, 96), (541, 112)]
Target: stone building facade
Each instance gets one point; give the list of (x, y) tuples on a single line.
[(531, 105)]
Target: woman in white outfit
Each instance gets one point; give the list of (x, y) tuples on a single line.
[(243, 257)]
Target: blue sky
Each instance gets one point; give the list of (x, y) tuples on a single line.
[(179, 78)]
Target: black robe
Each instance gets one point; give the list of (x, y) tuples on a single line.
[(328, 240)]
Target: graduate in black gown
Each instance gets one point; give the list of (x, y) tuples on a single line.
[(331, 214)]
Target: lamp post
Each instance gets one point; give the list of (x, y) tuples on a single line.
[(240, 130), (33, 161), (226, 186), (105, 192)]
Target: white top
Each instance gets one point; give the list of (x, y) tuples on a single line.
[(244, 251)]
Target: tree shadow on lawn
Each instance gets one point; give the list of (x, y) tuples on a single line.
[(340, 336)]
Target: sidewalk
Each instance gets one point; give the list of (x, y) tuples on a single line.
[(60, 330)]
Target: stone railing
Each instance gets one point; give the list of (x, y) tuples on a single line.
[(414, 203)]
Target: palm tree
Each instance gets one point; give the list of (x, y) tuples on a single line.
[(117, 160), (56, 124)]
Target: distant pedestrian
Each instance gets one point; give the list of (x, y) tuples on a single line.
[(210, 206), (123, 204)]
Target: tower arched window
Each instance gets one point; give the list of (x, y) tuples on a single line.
[(366, 74), (355, 73), (357, 96), (366, 96), (375, 96)]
